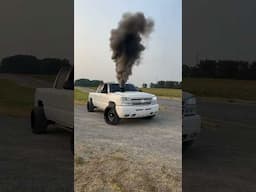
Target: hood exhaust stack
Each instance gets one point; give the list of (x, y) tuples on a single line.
[(122, 86)]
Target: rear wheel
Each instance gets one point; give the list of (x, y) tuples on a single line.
[(90, 107), (39, 122), (111, 116)]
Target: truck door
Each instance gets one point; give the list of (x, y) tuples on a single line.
[(60, 106), (103, 100), (97, 96)]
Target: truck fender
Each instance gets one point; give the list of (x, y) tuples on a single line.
[(111, 104)]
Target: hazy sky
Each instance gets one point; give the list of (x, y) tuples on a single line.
[(218, 29), (94, 19), (40, 28)]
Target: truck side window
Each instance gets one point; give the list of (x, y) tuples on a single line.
[(69, 84), (99, 89), (61, 77), (105, 89)]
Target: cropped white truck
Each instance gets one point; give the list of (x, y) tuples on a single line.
[(55, 105), (122, 102), (191, 121)]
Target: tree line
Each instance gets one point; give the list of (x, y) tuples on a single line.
[(159, 84), (164, 84), (87, 83), (221, 69), (29, 64)]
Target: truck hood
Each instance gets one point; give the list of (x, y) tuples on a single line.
[(134, 94)]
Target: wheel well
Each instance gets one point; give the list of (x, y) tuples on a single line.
[(111, 104)]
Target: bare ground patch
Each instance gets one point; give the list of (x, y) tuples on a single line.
[(116, 171)]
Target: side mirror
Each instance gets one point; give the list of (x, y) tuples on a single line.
[(69, 85)]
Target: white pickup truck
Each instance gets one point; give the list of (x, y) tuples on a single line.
[(122, 102), (191, 121), (55, 105)]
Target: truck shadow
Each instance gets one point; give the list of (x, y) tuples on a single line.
[(130, 121), (56, 130)]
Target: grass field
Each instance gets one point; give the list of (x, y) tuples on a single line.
[(49, 78), (223, 88), (80, 96), (162, 92), (13, 104)]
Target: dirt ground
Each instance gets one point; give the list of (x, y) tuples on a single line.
[(137, 154)]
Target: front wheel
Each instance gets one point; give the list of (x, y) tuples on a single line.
[(90, 107), (39, 122), (111, 116), (186, 145)]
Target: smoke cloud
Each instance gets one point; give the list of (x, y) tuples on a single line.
[(125, 42)]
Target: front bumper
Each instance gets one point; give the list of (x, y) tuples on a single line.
[(190, 127), (137, 111)]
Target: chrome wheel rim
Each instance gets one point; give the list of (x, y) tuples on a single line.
[(111, 115)]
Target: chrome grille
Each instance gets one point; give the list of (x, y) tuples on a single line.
[(141, 101)]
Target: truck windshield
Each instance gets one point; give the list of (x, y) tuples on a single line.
[(127, 87)]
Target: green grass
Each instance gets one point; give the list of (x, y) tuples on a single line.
[(15, 100), (80, 96), (223, 88), (48, 78), (164, 92), (94, 88)]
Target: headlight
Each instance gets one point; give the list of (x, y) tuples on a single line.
[(190, 101), (154, 100), (190, 106), (126, 101)]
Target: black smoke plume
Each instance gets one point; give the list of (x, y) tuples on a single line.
[(125, 42)]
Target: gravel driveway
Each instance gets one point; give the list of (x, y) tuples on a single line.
[(30, 162), (223, 158), (157, 140)]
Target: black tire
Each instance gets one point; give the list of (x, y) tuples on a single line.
[(111, 116), (39, 122), (186, 145), (72, 141), (90, 107)]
